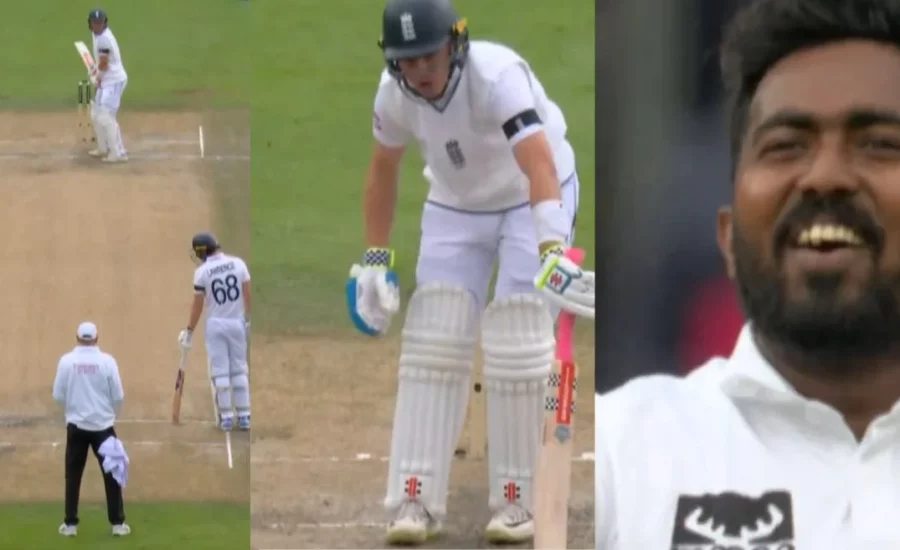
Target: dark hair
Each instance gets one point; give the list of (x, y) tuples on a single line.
[(766, 31)]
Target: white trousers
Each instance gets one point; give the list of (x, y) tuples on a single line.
[(460, 247)]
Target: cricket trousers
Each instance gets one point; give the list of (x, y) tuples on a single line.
[(78, 442)]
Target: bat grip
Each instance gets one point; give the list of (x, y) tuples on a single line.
[(565, 323)]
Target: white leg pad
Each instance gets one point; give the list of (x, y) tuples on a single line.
[(436, 360), (240, 393), (99, 132), (110, 130), (223, 396), (518, 343)]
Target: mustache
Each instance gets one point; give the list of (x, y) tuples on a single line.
[(834, 208)]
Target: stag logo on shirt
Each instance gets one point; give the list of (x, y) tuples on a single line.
[(731, 521)]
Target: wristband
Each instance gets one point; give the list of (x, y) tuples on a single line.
[(551, 221), (380, 257)]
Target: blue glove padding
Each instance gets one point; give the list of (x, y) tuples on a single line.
[(373, 297)]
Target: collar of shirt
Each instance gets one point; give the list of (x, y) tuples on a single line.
[(85, 348), (747, 377)]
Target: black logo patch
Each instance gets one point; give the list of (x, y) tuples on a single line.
[(731, 521), (455, 153)]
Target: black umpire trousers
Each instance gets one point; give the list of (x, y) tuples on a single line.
[(77, 443)]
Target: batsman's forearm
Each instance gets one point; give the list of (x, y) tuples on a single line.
[(379, 202), (544, 186)]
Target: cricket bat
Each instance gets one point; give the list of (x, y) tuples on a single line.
[(553, 473), (179, 387), (88, 61)]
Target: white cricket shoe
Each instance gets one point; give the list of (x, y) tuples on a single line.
[(121, 530), (97, 153), (115, 159), (511, 525), (413, 525), (68, 530)]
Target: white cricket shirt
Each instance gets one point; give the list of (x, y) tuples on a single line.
[(88, 387), (220, 279), (115, 71), (732, 458), (469, 161)]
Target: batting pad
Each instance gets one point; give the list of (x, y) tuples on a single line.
[(435, 364), (240, 393), (223, 396), (518, 343), (99, 132)]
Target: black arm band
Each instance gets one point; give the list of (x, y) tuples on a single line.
[(519, 122), (106, 51)]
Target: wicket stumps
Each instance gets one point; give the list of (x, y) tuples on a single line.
[(85, 128)]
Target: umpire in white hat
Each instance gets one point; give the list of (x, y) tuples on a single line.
[(90, 391)]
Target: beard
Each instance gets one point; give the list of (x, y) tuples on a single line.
[(824, 326)]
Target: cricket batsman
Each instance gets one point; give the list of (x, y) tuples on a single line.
[(502, 187), (109, 78)]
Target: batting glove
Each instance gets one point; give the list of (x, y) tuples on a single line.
[(184, 339), (372, 292), (565, 284)]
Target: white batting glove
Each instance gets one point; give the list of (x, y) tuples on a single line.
[(373, 297), (184, 339), (565, 284)]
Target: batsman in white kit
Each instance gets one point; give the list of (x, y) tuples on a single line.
[(109, 79), (502, 186), (222, 285)]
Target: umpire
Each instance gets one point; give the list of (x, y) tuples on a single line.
[(90, 391)]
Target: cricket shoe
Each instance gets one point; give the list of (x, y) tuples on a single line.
[(511, 525), (244, 421), (226, 423), (115, 159), (68, 530), (413, 525), (121, 530), (98, 153)]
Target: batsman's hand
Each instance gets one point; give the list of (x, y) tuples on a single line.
[(564, 284), (184, 339), (372, 292)]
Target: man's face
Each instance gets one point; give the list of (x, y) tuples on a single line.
[(96, 26), (813, 237), (428, 74)]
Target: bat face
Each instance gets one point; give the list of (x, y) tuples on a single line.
[(85, 54), (179, 380)]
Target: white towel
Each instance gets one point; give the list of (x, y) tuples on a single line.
[(115, 460)]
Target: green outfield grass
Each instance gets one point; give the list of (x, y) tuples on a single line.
[(177, 54), (156, 526), (312, 106)]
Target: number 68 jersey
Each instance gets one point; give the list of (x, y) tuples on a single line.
[(220, 279)]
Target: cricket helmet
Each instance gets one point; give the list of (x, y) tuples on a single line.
[(204, 244), (97, 15), (413, 28)]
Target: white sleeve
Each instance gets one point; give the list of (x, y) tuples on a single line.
[(103, 43), (61, 382), (605, 533), (245, 272), (512, 106), (116, 392), (200, 281), (387, 126)]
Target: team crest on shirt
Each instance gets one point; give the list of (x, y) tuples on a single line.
[(455, 153), (732, 521)]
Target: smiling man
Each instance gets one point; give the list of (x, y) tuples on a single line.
[(793, 441)]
